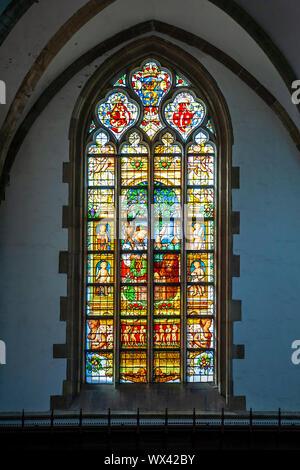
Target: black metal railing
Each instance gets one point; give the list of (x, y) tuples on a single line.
[(166, 419)]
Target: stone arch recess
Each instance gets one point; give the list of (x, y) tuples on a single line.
[(76, 394)]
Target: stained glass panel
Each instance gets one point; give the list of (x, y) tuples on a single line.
[(200, 268), (133, 367), (168, 145), (101, 203), (184, 113), (167, 367), (200, 333), (101, 171), (200, 170), (100, 270), (133, 333), (101, 235), (166, 333), (134, 203), (99, 367), (100, 334), (200, 202), (150, 232), (200, 234), (133, 268), (167, 170), (200, 366), (167, 300), (134, 170), (166, 269)]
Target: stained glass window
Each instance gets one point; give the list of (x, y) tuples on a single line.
[(150, 231)]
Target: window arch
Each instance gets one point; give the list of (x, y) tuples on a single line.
[(84, 128), (150, 304)]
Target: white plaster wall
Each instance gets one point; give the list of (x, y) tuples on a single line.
[(31, 238), (198, 17), (201, 17), (26, 40)]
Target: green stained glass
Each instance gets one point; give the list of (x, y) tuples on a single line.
[(166, 333), (200, 366), (101, 203), (99, 367), (180, 81), (92, 127), (100, 303), (210, 126), (133, 333), (121, 81), (167, 367), (134, 300), (200, 268)]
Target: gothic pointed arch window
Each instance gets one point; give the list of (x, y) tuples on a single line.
[(149, 307)]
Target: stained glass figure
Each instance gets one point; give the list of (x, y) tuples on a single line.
[(200, 268), (184, 113), (200, 234), (133, 300), (117, 113), (101, 235), (150, 232), (169, 303), (101, 270), (210, 126), (166, 269), (100, 334), (134, 268), (134, 235)]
